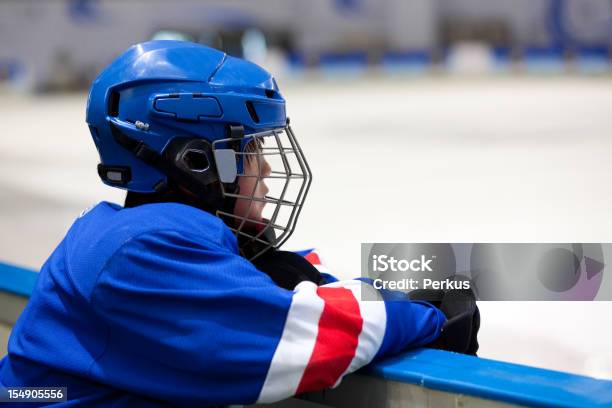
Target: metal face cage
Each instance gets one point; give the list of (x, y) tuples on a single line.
[(273, 179)]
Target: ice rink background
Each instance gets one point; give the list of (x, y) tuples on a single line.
[(435, 159)]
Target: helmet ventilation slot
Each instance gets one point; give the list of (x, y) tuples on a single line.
[(252, 111), (113, 104)]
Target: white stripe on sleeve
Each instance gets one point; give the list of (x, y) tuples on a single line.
[(296, 344)]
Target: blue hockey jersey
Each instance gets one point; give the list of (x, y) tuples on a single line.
[(154, 306)]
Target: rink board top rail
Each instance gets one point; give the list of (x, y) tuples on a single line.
[(441, 370), (17, 280), (494, 380)]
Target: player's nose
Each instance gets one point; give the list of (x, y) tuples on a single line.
[(266, 170)]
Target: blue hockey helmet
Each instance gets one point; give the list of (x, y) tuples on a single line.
[(175, 114)]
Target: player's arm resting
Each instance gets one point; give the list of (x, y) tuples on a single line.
[(193, 323)]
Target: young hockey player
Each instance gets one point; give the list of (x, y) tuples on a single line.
[(181, 296)]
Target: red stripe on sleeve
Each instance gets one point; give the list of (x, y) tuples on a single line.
[(339, 328), (313, 258)]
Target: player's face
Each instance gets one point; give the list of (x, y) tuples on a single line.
[(255, 186)]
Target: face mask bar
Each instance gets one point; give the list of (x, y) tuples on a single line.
[(274, 180)]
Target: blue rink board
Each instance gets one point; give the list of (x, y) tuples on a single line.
[(444, 371), (494, 380), (17, 280)]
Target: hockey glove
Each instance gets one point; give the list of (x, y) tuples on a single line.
[(460, 332)]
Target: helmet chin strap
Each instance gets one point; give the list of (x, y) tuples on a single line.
[(251, 248)]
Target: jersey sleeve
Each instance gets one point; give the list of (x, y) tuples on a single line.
[(194, 323)]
